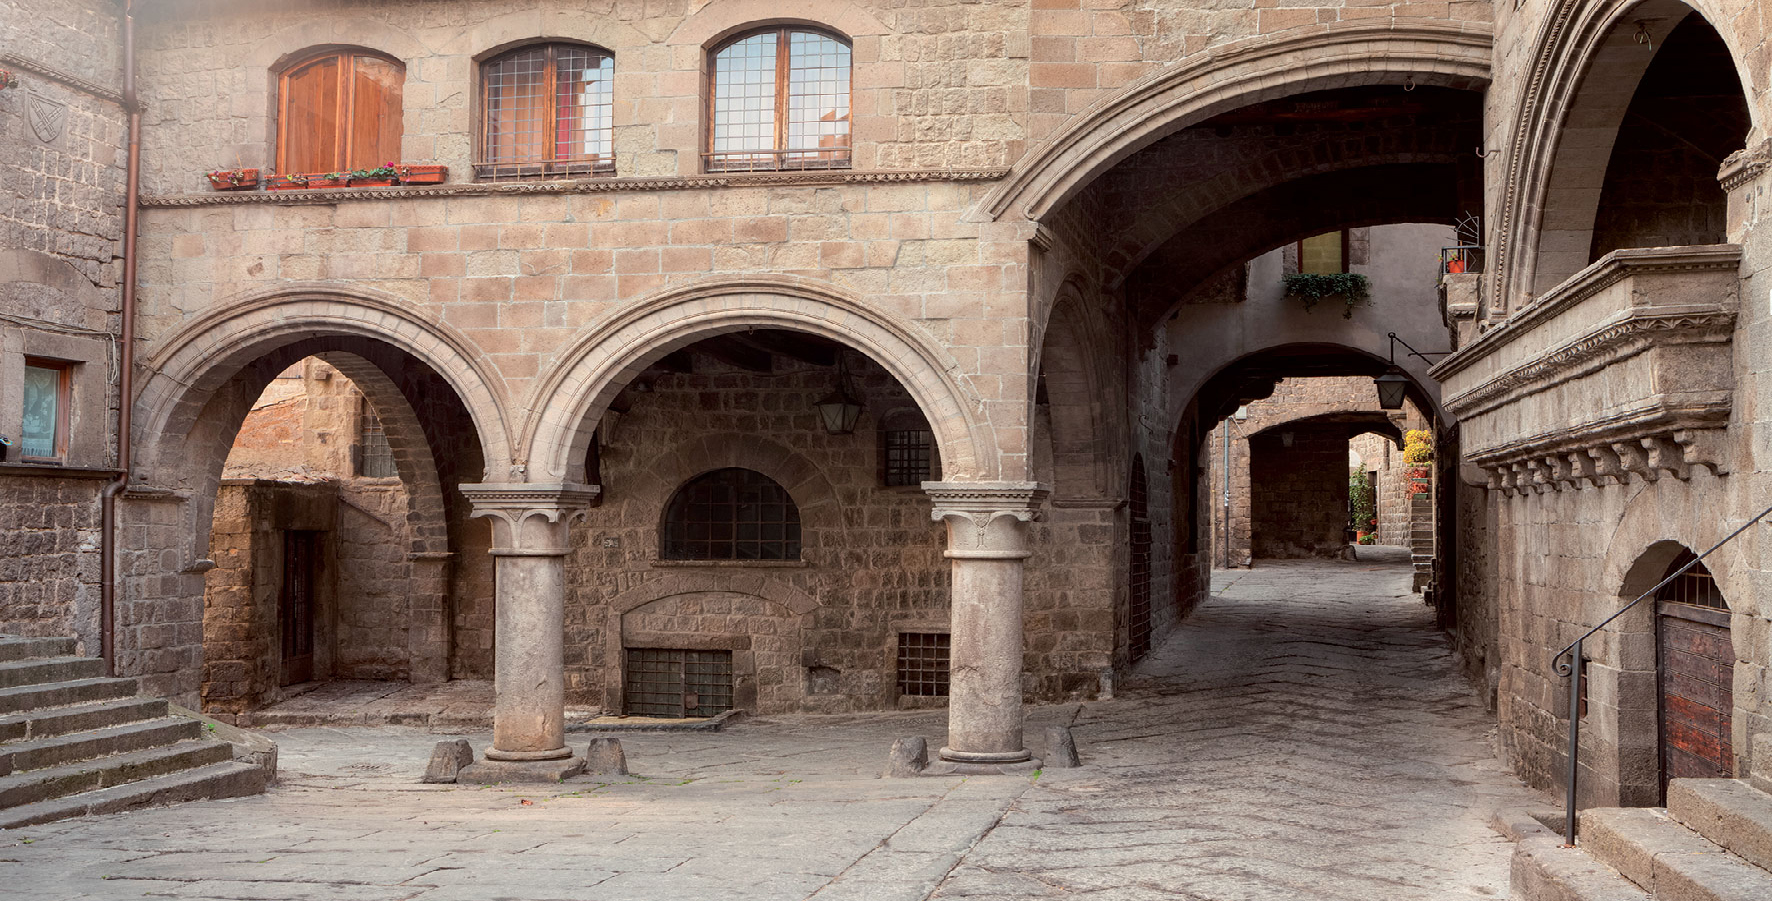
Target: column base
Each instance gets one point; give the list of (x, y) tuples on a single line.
[(945, 767), (560, 753), (491, 772)]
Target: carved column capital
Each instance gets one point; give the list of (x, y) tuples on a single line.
[(530, 520), (986, 520)]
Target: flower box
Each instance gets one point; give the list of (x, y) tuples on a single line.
[(386, 175), (233, 179), (304, 182), (423, 175)]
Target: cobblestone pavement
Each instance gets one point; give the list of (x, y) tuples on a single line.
[(1303, 737)]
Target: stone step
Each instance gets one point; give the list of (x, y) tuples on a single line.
[(61, 749), (43, 723), (46, 670), (1651, 849), (229, 779), (63, 694), (1545, 870), (12, 648), (36, 786), (1728, 812)]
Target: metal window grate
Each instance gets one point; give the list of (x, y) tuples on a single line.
[(923, 664), (1694, 586), (375, 459), (677, 682), (1138, 606), (547, 112), (910, 456), (731, 514), (780, 101)]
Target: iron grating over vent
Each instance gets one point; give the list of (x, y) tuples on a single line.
[(909, 456), (678, 683), (923, 664)]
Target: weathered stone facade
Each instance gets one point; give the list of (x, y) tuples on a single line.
[(1056, 243)]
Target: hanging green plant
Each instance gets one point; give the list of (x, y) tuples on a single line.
[(1311, 288)]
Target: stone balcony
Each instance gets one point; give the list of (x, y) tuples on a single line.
[(1623, 370)]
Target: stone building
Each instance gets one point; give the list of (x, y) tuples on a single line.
[(1018, 237)]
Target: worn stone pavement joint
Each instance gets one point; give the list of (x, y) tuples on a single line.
[(908, 757), (448, 760), (492, 772)]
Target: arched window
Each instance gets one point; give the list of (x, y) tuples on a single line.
[(779, 99), (339, 111), (731, 514), (545, 110)]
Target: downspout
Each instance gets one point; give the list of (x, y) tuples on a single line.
[(107, 616)]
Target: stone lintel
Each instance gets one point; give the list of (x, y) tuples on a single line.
[(530, 519)]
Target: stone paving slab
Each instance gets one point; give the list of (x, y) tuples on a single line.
[(1303, 737)]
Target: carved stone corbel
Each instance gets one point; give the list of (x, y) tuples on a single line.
[(1704, 447), (1583, 467), (1666, 456), (1608, 465), (1634, 458)]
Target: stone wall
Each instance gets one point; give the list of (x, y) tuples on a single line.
[(49, 558), (1298, 492)]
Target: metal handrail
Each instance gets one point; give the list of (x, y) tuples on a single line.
[(1570, 669)]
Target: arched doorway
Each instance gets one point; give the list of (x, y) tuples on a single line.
[(1695, 662)]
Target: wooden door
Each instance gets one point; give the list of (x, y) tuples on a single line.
[(296, 604), (1696, 673)]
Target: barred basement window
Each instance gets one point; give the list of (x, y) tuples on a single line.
[(779, 99), (923, 664), (677, 683), (908, 456), (546, 111), (731, 514), (375, 459)]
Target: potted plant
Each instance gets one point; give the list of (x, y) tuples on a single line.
[(7, 79), (375, 177), (1311, 288), (240, 179), (303, 181)]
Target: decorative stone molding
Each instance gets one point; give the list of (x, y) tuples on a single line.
[(1624, 370), (1744, 165), (56, 75), (576, 186), (531, 520), (985, 519)]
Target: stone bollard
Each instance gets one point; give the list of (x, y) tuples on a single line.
[(447, 760), (1061, 748), (909, 757), (604, 757)]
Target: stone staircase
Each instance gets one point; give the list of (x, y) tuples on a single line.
[(1713, 842), (73, 742)]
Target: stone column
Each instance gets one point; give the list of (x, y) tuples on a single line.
[(529, 541), (987, 542)]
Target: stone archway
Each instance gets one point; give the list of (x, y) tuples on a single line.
[(567, 405), (1343, 54), (1584, 74), (207, 374)]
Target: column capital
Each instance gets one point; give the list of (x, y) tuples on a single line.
[(985, 519), (530, 520)]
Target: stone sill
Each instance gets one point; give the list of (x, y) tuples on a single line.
[(56, 471), (730, 564), (598, 185)]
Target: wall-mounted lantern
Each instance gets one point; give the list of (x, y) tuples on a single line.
[(1393, 386), (841, 409)]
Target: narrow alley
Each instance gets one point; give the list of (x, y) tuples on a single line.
[(1303, 736)]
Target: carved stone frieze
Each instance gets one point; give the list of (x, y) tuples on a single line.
[(576, 186)]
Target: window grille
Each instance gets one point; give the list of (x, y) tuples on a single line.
[(731, 514), (375, 459), (1138, 607), (1694, 586), (923, 664), (547, 111), (780, 100), (677, 682), (909, 456)]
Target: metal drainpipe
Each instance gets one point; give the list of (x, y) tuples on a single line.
[(107, 617), (1227, 492)]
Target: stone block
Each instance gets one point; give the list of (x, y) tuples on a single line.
[(448, 759), (604, 757), (493, 772), (1061, 748), (909, 757)]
